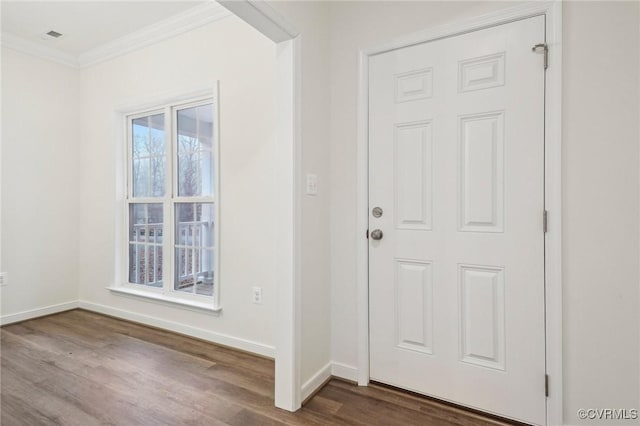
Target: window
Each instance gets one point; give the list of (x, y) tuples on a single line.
[(171, 203)]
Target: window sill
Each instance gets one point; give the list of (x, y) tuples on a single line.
[(200, 306)]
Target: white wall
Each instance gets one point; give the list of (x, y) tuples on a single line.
[(311, 19), (244, 62), (600, 167), (39, 183), (600, 172)]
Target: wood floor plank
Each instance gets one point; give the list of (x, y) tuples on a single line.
[(356, 408), (323, 405), (82, 368), (194, 347), (46, 407), (248, 417), (404, 400)]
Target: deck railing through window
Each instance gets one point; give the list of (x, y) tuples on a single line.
[(194, 256), (147, 254)]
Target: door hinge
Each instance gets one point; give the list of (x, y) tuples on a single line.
[(367, 234), (545, 221), (546, 385), (545, 49)]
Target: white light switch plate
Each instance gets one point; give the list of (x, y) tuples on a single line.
[(256, 295), (312, 184)]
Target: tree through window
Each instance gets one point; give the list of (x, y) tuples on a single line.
[(172, 199)]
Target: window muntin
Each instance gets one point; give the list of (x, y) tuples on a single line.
[(171, 201)]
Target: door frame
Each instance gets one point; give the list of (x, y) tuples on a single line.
[(552, 10)]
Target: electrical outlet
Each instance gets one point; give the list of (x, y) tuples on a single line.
[(256, 295), (4, 278)]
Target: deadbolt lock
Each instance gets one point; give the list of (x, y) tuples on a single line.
[(376, 212)]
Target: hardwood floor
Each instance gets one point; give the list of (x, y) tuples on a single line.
[(81, 368)]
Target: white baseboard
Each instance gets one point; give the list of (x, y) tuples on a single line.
[(316, 381), (211, 336), (332, 369), (344, 371), (39, 312)]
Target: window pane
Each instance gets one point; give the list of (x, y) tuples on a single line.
[(145, 244), (194, 249), (149, 156), (195, 151)]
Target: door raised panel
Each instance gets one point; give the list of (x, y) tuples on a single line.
[(412, 169), (482, 316), (481, 73), (414, 85), (414, 305), (481, 157)]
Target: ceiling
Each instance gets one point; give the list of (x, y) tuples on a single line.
[(85, 25)]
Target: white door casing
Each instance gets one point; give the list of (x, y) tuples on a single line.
[(456, 162)]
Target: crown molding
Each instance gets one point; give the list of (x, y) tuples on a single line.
[(190, 19), (39, 51), (263, 17)]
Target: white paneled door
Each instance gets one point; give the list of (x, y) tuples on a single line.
[(456, 247)]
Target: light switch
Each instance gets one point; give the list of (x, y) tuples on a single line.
[(312, 184)]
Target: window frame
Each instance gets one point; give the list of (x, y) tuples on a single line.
[(169, 202)]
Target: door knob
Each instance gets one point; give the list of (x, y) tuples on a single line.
[(376, 234)]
